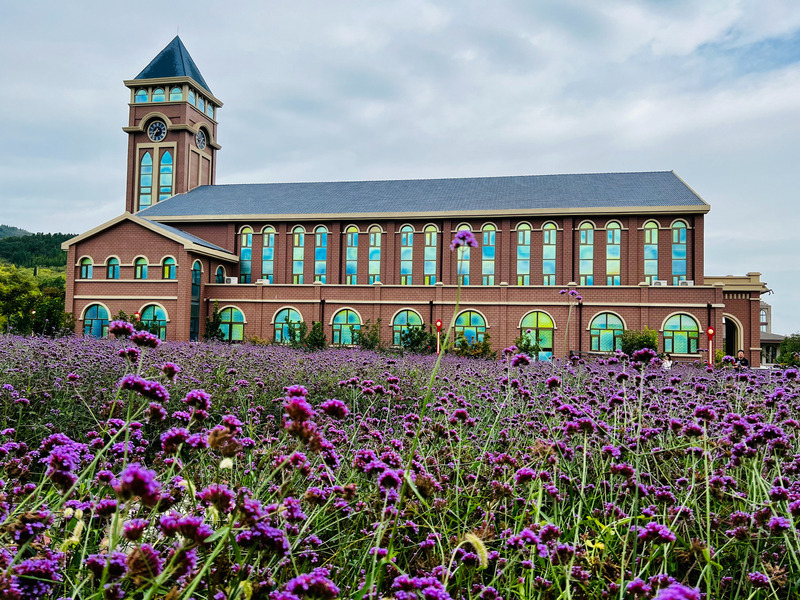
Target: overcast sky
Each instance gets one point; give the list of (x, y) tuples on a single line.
[(320, 90)]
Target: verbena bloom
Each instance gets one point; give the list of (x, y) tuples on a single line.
[(463, 237), (146, 339), (298, 409), (120, 328), (136, 481), (149, 389), (199, 399), (520, 360), (36, 577), (170, 369), (655, 532), (335, 408), (677, 591), (313, 585)]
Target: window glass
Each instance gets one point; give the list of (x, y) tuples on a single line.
[(210, 110), (605, 332), (140, 268), (112, 269), (201, 104), (194, 321), (351, 255), (523, 254), (155, 319), (471, 326), (298, 254), (95, 321), (232, 324), (345, 322), (431, 249), (462, 261), (175, 94), (613, 253), (168, 268), (192, 98), (681, 334), (86, 268), (406, 255), (220, 275), (165, 177), (158, 95), (488, 253), (586, 254), (246, 255), (268, 254), (678, 252), (320, 254), (650, 251), (141, 96), (538, 328), (403, 321), (286, 320), (375, 253), (145, 181), (549, 233)]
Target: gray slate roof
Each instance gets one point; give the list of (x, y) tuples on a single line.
[(187, 236), (531, 192), (173, 61)]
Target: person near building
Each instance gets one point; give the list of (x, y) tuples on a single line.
[(741, 361)]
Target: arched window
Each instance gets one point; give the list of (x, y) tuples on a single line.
[(403, 321), (112, 268), (268, 254), (487, 254), (406, 254), (650, 251), (320, 254), (168, 268), (345, 322), (95, 321), (523, 254), (763, 320), (351, 255), (175, 94), (86, 268), (194, 321), (192, 98), (606, 332), (219, 276), (210, 110), (537, 327), (231, 324), (286, 321), (201, 104), (431, 248), (155, 319), (613, 255), (681, 333), (549, 233), (140, 268), (141, 96), (462, 261), (298, 254), (145, 181), (158, 95), (586, 254), (375, 253), (245, 255), (678, 252), (165, 177), (470, 325)]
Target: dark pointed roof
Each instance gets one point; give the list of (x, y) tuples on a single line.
[(173, 61)]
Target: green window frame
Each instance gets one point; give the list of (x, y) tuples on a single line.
[(431, 265), (351, 255), (165, 176), (470, 325), (219, 276), (87, 267), (679, 262), (586, 254), (403, 321), (375, 234), (538, 328), (406, 255), (95, 321), (488, 253), (232, 324), (140, 268), (463, 256), (613, 253), (286, 319), (681, 334), (650, 252), (246, 255), (321, 254), (268, 253), (155, 319), (145, 180), (523, 254), (549, 238), (345, 322), (168, 268), (605, 333), (298, 254), (112, 268)]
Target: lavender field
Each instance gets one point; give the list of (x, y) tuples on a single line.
[(237, 471)]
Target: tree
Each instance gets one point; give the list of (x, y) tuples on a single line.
[(214, 326), (418, 340), (789, 353), (633, 340), (368, 336), (18, 292), (474, 349)]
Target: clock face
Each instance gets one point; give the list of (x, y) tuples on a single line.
[(200, 139), (157, 131)]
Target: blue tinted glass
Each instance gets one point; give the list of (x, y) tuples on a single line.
[(612, 252), (268, 253), (587, 252), (406, 254), (374, 253), (320, 253), (678, 251), (549, 267), (651, 252), (523, 252), (319, 268), (549, 252), (488, 252), (587, 266), (405, 268)]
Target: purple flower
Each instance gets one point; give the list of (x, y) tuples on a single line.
[(36, 577), (218, 495), (520, 360), (134, 529), (132, 354), (120, 328), (135, 481), (170, 369), (645, 355), (759, 580), (298, 409), (313, 585), (149, 389), (657, 533), (676, 591), (463, 238), (198, 399), (335, 408), (96, 563), (173, 438), (145, 339)]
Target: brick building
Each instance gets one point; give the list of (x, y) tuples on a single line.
[(344, 253)]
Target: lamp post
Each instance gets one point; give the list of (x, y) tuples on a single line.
[(438, 335), (710, 332)]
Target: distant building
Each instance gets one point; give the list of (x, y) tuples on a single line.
[(345, 253), (770, 342)]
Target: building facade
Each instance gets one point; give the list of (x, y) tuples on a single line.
[(349, 253)]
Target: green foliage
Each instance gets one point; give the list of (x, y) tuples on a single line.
[(11, 231), (633, 340), (528, 345), (476, 349), (30, 305), (789, 353), (36, 250), (368, 336), (418, 340), (316, 339), (298, 332), (214, 326)]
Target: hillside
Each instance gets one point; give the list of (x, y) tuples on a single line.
[(34, 250), (11, 231)]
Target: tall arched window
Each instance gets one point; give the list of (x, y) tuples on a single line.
[(112, 268), (605, 332), (201, 104), (681, 334), (406, 254), (287, 320), (763, 320), (678, 252), (95, 321), (488, 254), (210, 110), (375, 253), (268, 253), (345, 323), (86, 268), (431, 249), (471, 326), (165, 177), (194, 320), (231, 324), (168, 268), (650, 251), (145, 181), (523, 254), (141, 96), (549, 233), (246, 255), (320, 254), (192, 98), (219, 277), (586, 254), (158, 95), (175, 94), (613, 254), (140, 268), (298, 254), (351, 255), (537, 327), (403, 321), (155, 319), (462, 260)]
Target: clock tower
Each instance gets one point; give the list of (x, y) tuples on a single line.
[(172, 129)]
